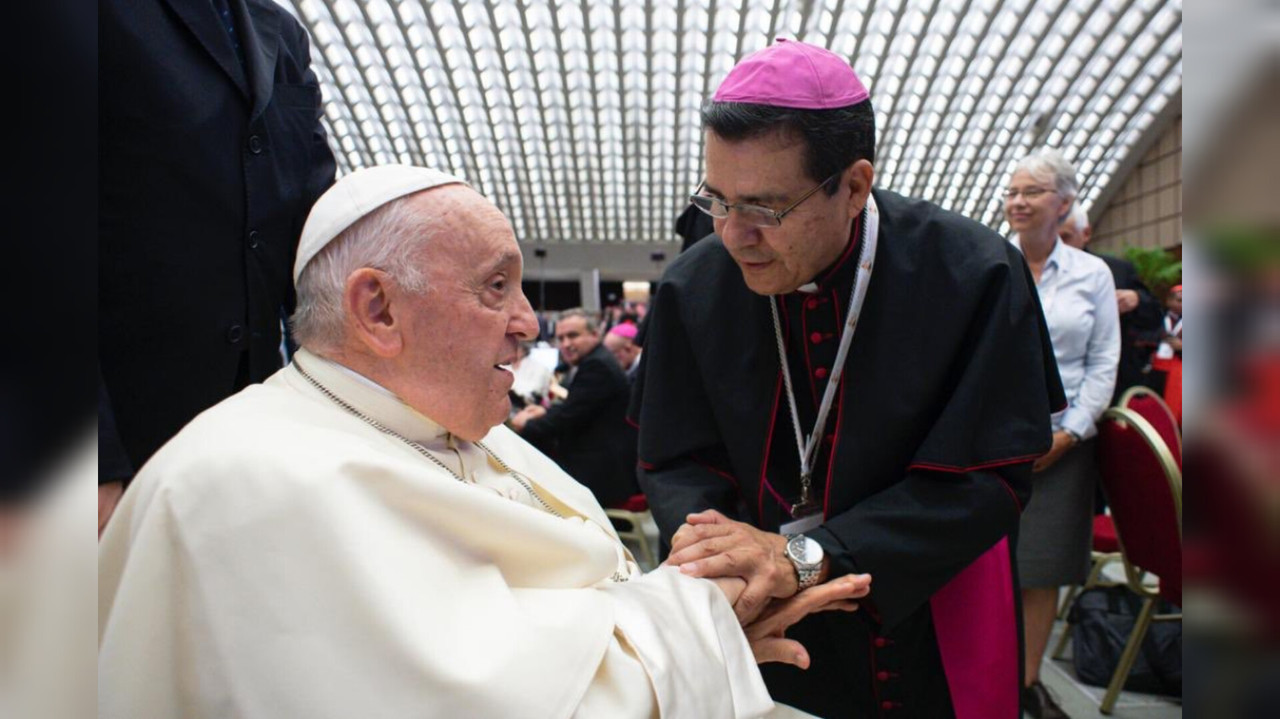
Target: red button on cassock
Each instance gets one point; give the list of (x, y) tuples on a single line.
[(816, 337), (882, 676), (887, 706), (820, 373), (811, 303), (881, 642)]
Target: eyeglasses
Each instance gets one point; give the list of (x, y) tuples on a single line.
[(755, 214), (1030, 193)]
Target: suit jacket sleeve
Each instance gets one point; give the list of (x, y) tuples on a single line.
[(1145, 319)]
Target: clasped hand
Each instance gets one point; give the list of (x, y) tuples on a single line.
[(751, 567)]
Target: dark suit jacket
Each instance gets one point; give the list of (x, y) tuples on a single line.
[(588, 434), (1137, 328), (208, 169)]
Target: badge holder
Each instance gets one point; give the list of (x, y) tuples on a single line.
[(805, 514)]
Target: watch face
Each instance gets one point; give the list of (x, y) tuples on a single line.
[(804, 550)]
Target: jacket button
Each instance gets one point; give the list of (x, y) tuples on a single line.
[(811, 303), (235, 333), (253, 239), (820, 373), (255, 144), (816, 337)]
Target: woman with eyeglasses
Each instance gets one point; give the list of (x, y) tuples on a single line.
[(1077, 294)]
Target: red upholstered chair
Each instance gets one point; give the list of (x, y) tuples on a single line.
[(1104, 535), (1106, 549), (1153, 408), (1143, 484), (628, 520)]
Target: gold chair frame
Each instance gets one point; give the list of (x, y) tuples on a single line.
[(1134, 574)]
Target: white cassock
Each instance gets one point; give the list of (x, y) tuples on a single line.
[(282, 557)]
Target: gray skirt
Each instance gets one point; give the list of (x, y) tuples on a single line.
[(1056, 531)]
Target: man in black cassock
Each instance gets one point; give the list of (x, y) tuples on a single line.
[(919, 471)]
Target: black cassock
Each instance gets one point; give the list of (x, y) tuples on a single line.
[(924, 466)]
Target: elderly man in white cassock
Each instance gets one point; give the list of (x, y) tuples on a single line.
[(360, 537)]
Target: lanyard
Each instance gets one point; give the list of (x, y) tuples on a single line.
[(808, 446)]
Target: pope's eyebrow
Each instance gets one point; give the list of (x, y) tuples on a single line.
[(505, 259)]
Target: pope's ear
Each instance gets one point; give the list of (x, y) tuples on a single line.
[(857, 181), (367, 302)]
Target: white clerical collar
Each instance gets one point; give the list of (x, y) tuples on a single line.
[(370, 398), (359, 377)]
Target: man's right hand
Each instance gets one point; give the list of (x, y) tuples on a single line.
[(767, 634)]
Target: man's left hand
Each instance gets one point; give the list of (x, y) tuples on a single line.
[(522, 417), (712, 545), (1062, 441), (1127, 300), (767, 634)]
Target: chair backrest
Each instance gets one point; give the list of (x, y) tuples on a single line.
[(1153, 408), (1144, 490)]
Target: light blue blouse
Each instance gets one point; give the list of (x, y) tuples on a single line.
[(1078, 295)]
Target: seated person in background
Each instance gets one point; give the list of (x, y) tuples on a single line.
[(621, 343), (359, 537), (587, 434)]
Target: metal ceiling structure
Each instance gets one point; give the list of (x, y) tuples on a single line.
[(580, 118)]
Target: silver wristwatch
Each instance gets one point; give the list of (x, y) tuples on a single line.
[(806, 555)]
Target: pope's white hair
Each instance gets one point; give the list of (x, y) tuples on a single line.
[(389, 239), (1049, 163), (1078, 216)]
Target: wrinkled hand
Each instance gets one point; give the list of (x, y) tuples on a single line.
[(767, 634), (108, 498), (1127, 300), (712, 545), (522, 417), (1062, 441)]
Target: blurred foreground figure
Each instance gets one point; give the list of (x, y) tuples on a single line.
[(822, 420), (359, 536)]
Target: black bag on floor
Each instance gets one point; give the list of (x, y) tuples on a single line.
[(1101, 621)]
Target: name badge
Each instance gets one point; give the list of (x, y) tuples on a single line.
[(800, 525)]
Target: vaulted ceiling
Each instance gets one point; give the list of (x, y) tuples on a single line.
[(579, 118)]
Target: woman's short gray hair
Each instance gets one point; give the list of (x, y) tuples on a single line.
[(389, 239), (1049, 162)]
